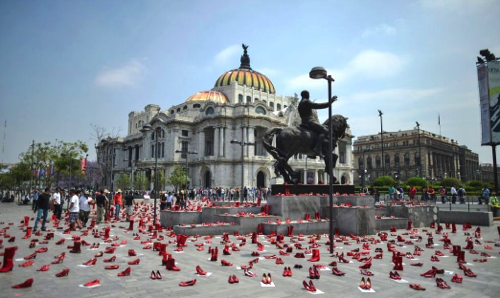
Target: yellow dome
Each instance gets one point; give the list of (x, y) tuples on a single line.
[(247, 77), (209, 95)]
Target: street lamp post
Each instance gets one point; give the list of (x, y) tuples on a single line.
[(321, 73), (32, 157), (145, 128), (364, 169), (382, 141), (187, 167), (242, 144), (419, 150)]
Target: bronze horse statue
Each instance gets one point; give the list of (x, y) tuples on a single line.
[(295, 140)]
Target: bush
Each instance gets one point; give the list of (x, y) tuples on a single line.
[(475, 184), (384, 181), (449, 182), (416, 181)]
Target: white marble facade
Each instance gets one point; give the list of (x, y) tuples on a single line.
[(206, 123)]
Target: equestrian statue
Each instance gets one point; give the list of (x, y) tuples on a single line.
[(310, 138)]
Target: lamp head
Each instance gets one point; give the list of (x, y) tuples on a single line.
[(380, 113), (418, 124), (318, 72)]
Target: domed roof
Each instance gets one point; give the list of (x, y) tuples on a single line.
[(215, 96), (246, 76)]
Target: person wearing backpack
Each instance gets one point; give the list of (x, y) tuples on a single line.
[(461, 195), (442, 192)]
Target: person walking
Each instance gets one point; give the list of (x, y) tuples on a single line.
[(56, 199), (442, 192), (42, 209), (170, 198), (35, 198), (485, 195), (118, 202), (85, 208), (163, 201), (101, 202), (130, 203), (454, 194), (461, 194), (74, 209), (413, 192)]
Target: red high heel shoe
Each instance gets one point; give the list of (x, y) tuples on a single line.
[(112, 267), (158, 274), (469, 273), (64, 272), (337, 272), (417, 287), (25, 284), (429, 274), (366, 272), (99, 254), (110, 260), (90, 262), (225, 263), (200, 271), (309, 287), (457, 278), (44, 268), (29, 257), (362, 284), (394, 275), (125, 272), (135, 262), (27, 263), (442, 284), (187, 283), (92, 283), (153, 275)]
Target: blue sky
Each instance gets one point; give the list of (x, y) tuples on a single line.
[(66, 64)]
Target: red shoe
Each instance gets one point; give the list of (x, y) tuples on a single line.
[(394, 275), (92, 283), (29, 257), (99, 254), (442, 284), (112, 267), (337, 272), (64, 272), (90, 262), (417, 264), (110, 260), (187, 283), (457, 278), (225, 263), (44, 268), (200, 271), (158, 274), (429, 274), (135, 262), (125, 272), (309, 287), (60, 241), (417, 287), (132, 253), (27, 263), (469, 273), (153, 275), (366, 272), (25, 284)]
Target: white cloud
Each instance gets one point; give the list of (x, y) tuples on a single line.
[(123, 76), (370, 63), (227, 54), (382, 29)]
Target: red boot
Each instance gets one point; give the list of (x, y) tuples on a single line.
[(171, 265), (8, 259), (76, 247), (315, 255), (25, 284), (28, 233)]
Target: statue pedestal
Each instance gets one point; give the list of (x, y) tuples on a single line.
[(300, 189)]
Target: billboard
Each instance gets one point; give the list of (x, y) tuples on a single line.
[(488, 76), (494, 95)]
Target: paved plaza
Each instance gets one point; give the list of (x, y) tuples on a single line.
[(139, 284)]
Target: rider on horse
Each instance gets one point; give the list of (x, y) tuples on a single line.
[(310, 121)]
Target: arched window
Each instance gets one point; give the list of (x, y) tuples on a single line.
[(249, 99), (196, 106), (240, 98), (209, 111), (387, 161), (378, 162), (360, 162), (256, 99), (284, 107), (271, 104), (153, 135), (178, 110), (396, 160), (278, 107), (260, 110), (417, 159), (407, 159), (369, 163), (172, 112), (185, 108)]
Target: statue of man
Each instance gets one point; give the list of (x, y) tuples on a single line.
[(306, 107)]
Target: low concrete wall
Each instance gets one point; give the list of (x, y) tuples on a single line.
[(356, 221), (206, 230), (172, 218), (210, 214), (461, 217), (421, 216), (306, 228), (386, 223)]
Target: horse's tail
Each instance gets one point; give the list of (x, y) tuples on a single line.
[(267, 141)]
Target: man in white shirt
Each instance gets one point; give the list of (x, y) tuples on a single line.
[(56, 198), (454, 194), (74, 209), (85, 208)]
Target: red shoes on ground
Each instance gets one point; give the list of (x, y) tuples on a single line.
[(442, 284), (64, 272), (309, 286), (200, 271), (125, 272), (90, 262), (156, 275), (44, 268), (110, 260), (92, 283), (365, 285), (225, 263), (112, 267), (337, 272), (366, 272), (313, 273), (457, 278), (25, 284), (417, 287), (27, 263), (266, 279), (135, 262), (429, 274), (187, 283), (233, 279), (287, 271)]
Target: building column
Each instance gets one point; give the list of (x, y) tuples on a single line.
[(251, 139), (201, 143), (315, 176), (216, 141), (305, 176), (221, 141)]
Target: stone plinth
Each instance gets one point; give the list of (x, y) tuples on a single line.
[(210, 214), (246, 224), (475, 218), (171, 218), (305, 227), (294, 207), (356, 221), (298, 189), (206, 230), (421, 216), (386, 223)]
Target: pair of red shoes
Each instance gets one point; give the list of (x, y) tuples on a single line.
[(337, 272), (309, 286), (442, 284), (365, 284), (156, 275), (233, 279), (457, 278), (287, 271), (313, 273), (110, 260), (394, 275), (266, 279)]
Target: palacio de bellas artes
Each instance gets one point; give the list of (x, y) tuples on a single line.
[(249, 148)]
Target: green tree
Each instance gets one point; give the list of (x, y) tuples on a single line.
[(123, 181), (384, 181), (162, 180), (140, 181), (416, 181), (475, 184), (449, 182), (177, 177)]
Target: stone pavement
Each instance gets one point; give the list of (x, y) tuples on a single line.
[(139, 284)]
